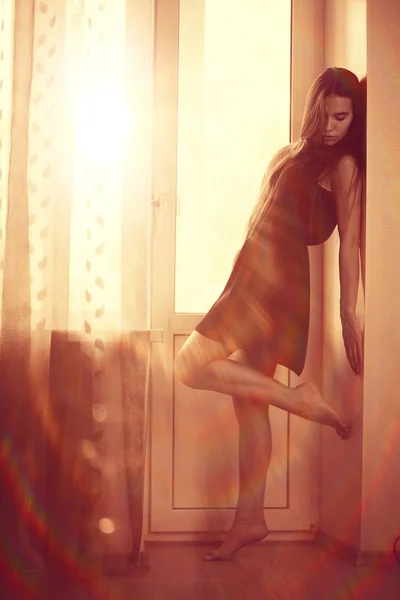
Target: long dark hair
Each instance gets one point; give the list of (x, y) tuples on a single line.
[(302, 164)]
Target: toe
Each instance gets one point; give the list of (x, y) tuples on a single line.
[(344, 430)]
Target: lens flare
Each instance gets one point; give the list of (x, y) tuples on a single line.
[(106, 526)]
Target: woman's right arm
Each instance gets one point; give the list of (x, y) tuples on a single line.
[(348, 205)]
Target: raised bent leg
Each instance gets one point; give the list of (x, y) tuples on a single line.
[(203, 364), (255, 447)]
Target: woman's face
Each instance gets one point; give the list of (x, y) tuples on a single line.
[(338, 118)]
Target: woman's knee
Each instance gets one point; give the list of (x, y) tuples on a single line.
[(196, 353)]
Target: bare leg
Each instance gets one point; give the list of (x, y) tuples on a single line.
[(203, 364), (255, 447)]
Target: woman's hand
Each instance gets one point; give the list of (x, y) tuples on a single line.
[(353, 341)]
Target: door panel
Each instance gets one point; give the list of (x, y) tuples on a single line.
[(194, 443), (222, 109)]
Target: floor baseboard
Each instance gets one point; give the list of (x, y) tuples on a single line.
[(213, 537)]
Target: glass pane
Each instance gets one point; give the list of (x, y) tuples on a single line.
[(233, 115)]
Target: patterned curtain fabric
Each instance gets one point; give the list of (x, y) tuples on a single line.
[(75, 170)]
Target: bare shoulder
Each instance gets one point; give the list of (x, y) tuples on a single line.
[(345, 172)]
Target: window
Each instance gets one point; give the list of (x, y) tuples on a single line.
[(233, 115)]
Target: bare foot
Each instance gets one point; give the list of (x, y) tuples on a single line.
[(241, 534), (313, 407)]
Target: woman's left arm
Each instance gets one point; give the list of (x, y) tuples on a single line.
[(347, 191)]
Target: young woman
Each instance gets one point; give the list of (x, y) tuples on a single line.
[(261, 319)]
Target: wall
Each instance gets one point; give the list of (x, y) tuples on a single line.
[(381, 443), (367, 467), (341, 462)]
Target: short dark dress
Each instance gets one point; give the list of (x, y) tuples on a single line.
[(266, 300)]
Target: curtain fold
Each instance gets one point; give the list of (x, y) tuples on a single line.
[(19, 443), (74, 252), (135, 359)]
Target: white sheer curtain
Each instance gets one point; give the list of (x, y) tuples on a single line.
[(75, 133)]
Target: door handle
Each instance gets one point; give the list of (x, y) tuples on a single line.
[(157, 202), (157, 336)]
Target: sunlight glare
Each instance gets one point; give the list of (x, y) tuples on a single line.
[(104, 123)]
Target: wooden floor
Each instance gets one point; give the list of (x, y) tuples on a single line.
[(262, 572)]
